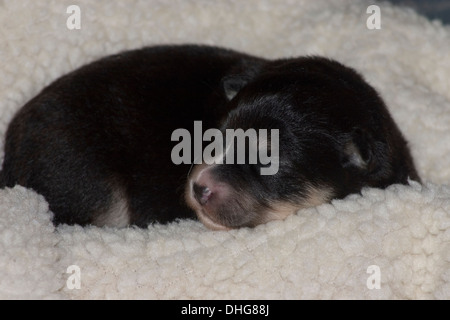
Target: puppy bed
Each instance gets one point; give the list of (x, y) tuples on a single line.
[(382, 244)]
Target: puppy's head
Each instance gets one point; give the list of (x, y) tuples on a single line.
[(317, 144)]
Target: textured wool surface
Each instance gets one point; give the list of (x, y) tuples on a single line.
[(325, 252)]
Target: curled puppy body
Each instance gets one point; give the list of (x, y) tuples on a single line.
[(97, 143)]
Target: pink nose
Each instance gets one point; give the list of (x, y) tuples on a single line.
[(201, 193)]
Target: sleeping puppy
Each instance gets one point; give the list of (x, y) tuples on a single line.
[(99, 142)]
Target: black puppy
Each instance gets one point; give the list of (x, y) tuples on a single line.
[(97, 143)]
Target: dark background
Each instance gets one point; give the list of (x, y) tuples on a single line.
[(433, 9)]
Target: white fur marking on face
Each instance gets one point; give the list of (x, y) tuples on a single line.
[(316, 196), (281, 211), (117, 215)]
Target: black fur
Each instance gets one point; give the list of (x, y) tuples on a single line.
[(105, 130)]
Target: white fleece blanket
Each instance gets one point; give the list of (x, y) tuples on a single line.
[(383, 244)]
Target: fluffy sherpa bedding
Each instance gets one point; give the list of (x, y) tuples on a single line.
[(399, 236)]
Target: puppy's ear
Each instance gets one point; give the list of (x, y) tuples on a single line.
[(358, 150), (232, 84)]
